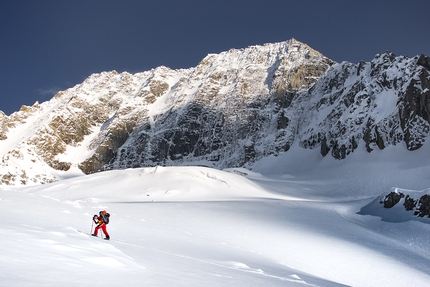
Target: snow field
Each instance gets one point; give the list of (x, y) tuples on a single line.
[(195, 226)]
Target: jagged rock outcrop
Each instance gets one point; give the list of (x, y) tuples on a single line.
[(421, 206), (392, 199), (230, 110)]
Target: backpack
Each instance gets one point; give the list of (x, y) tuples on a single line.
[(105, 217)]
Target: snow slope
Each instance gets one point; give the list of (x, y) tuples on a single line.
[(193, 226)]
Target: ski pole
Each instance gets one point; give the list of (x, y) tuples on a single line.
[(92, 223)]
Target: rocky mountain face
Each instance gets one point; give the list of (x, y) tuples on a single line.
[(231, 110), (381, 103)]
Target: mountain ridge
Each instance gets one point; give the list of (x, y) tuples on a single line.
[(231, 110)]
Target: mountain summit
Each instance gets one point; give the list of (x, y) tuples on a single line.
[(231, 110)]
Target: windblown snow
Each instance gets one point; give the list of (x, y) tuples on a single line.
[(276, 225)]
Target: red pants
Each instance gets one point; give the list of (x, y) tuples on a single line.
[(103, 227)]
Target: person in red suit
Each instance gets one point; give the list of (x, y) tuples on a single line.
[(101, 220)]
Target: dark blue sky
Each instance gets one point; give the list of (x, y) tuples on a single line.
[(51, 45)]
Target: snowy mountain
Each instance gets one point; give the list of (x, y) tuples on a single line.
[(324, 178), (231, 110)]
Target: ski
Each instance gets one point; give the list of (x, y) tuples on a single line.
[(85, 232), (89, 234)]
